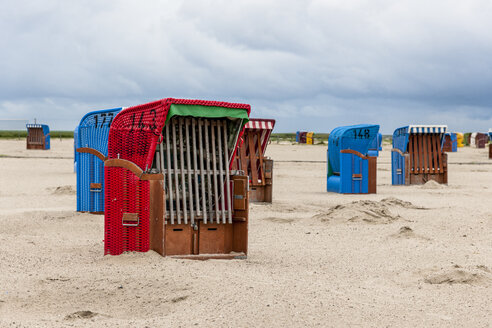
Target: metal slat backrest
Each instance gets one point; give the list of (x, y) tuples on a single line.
[(194, 157)]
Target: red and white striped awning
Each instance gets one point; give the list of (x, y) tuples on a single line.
[(260, 124)]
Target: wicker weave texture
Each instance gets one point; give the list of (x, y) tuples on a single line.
[(92, 132)]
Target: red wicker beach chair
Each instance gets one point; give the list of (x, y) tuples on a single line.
[(250, 158), (168, 181)]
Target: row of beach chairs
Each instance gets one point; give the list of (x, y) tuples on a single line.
[(417, 157), (176, 176)]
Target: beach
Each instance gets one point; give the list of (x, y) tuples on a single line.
[(408, 256)]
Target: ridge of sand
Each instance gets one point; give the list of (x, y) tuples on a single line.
[(367, 211)]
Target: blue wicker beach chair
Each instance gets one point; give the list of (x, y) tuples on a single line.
[(38, 136), (351, 170), (417, 155), (92, 148)]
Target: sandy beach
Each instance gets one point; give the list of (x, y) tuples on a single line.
[(408, 256)]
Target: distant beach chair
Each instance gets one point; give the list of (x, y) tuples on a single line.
[(351, 170), (301, 137), (168, 181), (460, 139), (91, 143), (472, 139), (38, 136), (250, 158), (450, 142), (417, 155), (310, 138), (479, 140), (467, 138)]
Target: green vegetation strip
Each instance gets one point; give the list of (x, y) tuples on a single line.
[(23, 134)]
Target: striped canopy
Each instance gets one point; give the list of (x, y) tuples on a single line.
[(427, 128), (259, 123), (265, 126)]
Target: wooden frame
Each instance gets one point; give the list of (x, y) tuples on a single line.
[(425, 159)]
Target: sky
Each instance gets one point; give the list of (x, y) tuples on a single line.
[(311, 65)]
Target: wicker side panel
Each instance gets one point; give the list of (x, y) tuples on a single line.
[(125, 193)]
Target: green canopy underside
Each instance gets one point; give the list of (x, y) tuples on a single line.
[(207, 111), (233, 114)]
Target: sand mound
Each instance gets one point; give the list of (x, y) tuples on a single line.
[(63, 190), (431, 184), (360, 211), (81, 315), (455, 276), (392, 201)]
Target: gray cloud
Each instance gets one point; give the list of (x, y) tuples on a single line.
[(309, 64)]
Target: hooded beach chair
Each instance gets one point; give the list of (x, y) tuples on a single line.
[(91, 144), (310, 138), (38, 136), (472, 139), (301, 137), (350, 169), (250, 158), (467, 139), (168, 182), (460, 139), (479, 140), (450, 142), (417, 155)]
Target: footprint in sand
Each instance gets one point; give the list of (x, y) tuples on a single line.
[(279, 220), (406, 232), (62, 190), (457, 275), (81, 315)]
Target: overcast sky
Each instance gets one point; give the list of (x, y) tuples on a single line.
[(311, 65)]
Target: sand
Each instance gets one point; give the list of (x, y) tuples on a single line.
[(415, 256)]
